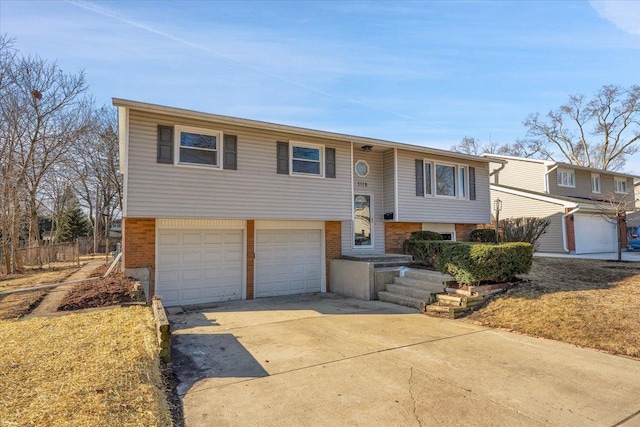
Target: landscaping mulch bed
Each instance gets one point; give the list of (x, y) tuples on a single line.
[(112, 290)]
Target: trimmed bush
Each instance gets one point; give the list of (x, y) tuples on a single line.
[(426, 252), (425, 235), (483, 235), (474, 263)]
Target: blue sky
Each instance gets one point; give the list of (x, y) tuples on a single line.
[(427, 73)]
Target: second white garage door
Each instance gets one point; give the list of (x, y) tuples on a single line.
[(594, 234), (288, 262)]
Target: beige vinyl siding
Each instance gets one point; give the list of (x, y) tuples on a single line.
[(414, 208), (388, 183), (254, 191), (583, 185), (371, 184), (514, 206), (521, 174)]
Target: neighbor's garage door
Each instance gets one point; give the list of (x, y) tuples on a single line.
[(594, 234), (288, 262), (199, 266)]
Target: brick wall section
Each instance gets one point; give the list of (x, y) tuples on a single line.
[(622, 228), (395, 233), (332, 245), (139, 247), (571, 235), (251, 256), (463, 231)]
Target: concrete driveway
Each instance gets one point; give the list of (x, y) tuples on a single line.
[(326, 360), (605, 256)]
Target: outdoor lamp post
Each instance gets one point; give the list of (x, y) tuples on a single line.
[(497, 207)]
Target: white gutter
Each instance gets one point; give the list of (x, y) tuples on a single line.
[(546, 178), (565, 244)]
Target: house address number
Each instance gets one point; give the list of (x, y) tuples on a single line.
[(361, 184)]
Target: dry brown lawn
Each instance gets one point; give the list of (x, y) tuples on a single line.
[(17, 305), (588, 303), (83, 369)]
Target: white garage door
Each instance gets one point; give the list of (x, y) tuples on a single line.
[(594, 234), (288, 262), (199, 266)]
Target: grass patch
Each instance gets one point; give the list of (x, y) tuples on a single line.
[(97, 368), (17, 305), (588, 303)]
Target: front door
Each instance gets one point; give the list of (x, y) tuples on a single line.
[(362, 227)]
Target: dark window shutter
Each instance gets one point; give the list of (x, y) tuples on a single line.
[(419, 178), (165, 144), (230, 152), (472, 183), (330, 162), (283, 157)]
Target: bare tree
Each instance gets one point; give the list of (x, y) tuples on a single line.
[(600, 132), (614, 209), (520, 148), (43, 114), (95, 164)]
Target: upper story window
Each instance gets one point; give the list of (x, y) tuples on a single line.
[(198, 146), (566, 178), (306, 159), (620, 185), (445, 180), (595, 183)]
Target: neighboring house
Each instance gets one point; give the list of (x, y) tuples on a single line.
[(575, 198), (219, 208)]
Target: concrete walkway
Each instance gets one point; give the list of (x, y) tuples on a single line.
[(49, 305), (326, 360)]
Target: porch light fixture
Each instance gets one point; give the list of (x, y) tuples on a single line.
[(366, 148)]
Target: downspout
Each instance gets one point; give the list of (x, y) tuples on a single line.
[(565, 244), (546, 178), (495, 171)]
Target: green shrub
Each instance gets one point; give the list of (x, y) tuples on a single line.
[(425, 235), (483, 235), (474, 263), (426, 252)]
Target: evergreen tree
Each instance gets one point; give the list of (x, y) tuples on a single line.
[(74, 223)]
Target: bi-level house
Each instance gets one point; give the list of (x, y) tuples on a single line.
[(576, 199), (218, 208)]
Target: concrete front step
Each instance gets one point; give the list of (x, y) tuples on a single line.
[(399, 299), (429, 276), (390, 264), (411, 292), (433, 288)]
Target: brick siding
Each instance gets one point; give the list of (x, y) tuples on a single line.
[(332, 245), (571, 235), (251, 230), (139, 245), (395, 233), (463, 231)]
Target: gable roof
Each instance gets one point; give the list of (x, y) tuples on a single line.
[(257, 124), (567, 202), (553, 163)]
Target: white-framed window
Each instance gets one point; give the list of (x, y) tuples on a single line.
[(620, 185), (595, 183), (198, 147), (445, 180), (306, 159), (566, 178), (362, 168)]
